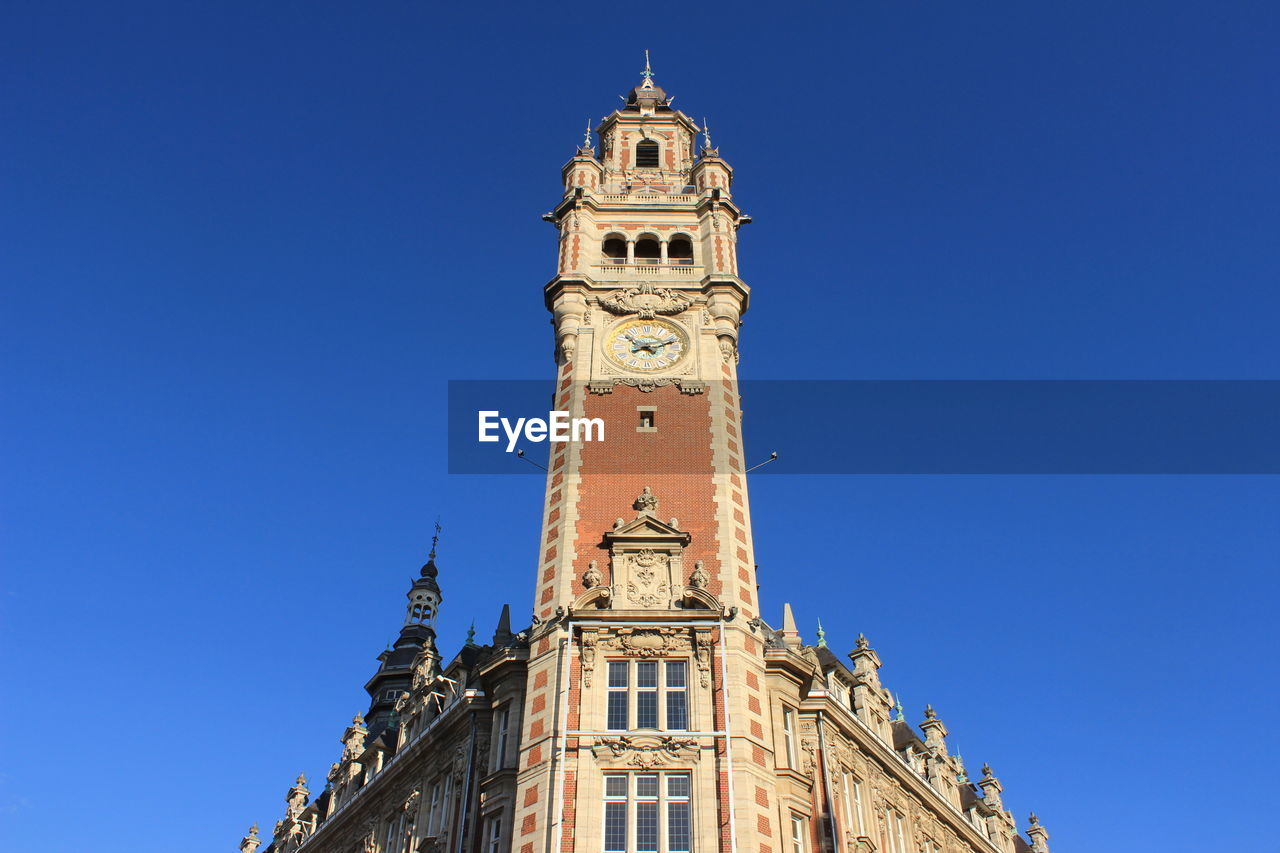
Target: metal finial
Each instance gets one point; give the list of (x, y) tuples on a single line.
[(648, 72), (822, 636), (471, 634), (435, 540), (586, 137), (902, 717), (706, 134)]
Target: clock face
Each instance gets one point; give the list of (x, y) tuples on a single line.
[(647, 344)]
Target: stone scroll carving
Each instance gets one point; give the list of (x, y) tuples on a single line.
[(645, 301)]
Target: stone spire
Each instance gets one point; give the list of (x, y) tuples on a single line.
[(1038, 834), (250, 842), (502, 634), (935, 732), (789, 635), (353, 738), (296, 799), (991, 789)]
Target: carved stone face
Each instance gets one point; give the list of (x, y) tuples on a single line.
[(647, 345)]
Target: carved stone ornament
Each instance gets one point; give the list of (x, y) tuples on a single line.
[(649, 571), (702, 646), (647, 755), (699, 578), (592, 577), (646, 301), (646, 642)]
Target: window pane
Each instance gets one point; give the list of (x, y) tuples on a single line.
[(646, 710), (678, 826), (615, 786), (677, 716), (646, 786), (617, 712), (617, 673), (647, 827), (675, 674), (615, 826), (647, 674), (677, 786)]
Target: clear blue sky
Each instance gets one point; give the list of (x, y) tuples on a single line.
[(224, 241)]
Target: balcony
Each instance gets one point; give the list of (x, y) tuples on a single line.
[(682, 267)]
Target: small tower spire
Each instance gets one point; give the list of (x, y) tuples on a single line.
[(647, 74), (822, 636), (250, 842)]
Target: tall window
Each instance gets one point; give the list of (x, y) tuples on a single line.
[(798, 844), (646, 154), (853, 824), (647, 695), (503, 736), (789, 735), (647, 813), (893, 825), (433, 809)]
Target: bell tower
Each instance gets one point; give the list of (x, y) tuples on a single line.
[(643, 714)]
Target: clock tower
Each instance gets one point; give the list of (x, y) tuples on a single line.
[(643, 721), (648, 708)]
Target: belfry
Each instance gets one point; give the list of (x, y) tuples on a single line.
[(648, 706)]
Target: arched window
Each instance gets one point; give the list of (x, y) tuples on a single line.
[(646, 154), (647, 250), (614, 249), (680, 250)]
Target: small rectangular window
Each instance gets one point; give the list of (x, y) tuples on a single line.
[(618, 692), (789, 735), (797, 834), (648, 420), (677, 697), (494, 835), (504, 723)]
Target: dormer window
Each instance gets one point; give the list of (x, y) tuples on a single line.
[(646, 154)]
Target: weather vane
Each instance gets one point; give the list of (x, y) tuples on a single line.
[(586, 137), (648, 72), (435, 540), (706, 134)]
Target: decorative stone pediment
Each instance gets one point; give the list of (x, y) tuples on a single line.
[(646, 558), (647, 529)]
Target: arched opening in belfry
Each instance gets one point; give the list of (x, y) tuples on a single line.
[(680, 250), (648, 251), (614, 249), (646, 154)]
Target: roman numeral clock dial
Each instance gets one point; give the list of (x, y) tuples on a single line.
[(647, 345)]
